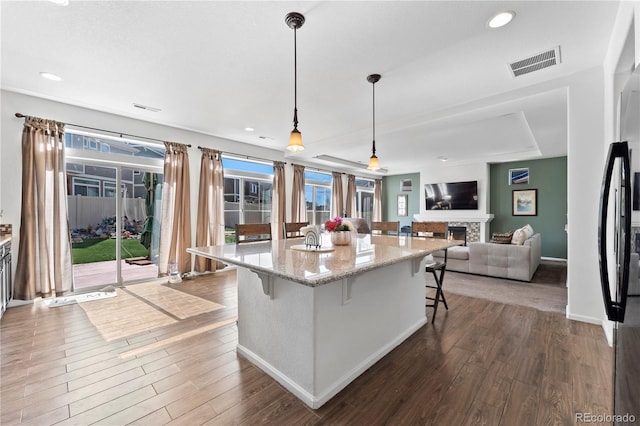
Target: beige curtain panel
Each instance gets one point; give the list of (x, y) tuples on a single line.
[(336, 195), (175, 235), (351, 196), (298, 198), (210, 229), (377, 201), (44, 254), (278, 201)]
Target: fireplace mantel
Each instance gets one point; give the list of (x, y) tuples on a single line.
[(451, 216), (481, 220)]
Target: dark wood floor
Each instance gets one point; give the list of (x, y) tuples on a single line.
[(140, 359)]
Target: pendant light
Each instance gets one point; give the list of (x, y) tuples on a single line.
[(373, 161), (295, 20)]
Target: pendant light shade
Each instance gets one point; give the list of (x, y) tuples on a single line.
[(295, 141), (295, 20), (373, 161)]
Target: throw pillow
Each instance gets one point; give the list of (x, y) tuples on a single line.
[(502, 238), (519, 237), (528, 230)]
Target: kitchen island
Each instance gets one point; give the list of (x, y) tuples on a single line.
[(316, 320)]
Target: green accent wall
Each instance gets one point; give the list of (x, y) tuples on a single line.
[(391, 190), (549, 177)]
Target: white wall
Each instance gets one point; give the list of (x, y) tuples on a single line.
[(585, 162)]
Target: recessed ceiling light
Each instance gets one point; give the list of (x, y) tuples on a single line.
[(249, 129), (60, 2), (50, 76), (501, 19), (443, 159)]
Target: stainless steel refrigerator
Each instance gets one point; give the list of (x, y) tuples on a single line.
[(619, 260)]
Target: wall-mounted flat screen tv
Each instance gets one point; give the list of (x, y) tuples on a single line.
[(452, 195)]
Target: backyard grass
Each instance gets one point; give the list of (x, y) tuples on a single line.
[(99, 250)]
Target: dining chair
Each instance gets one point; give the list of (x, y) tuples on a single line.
[(390, 228), (252, 232), (292, 229)]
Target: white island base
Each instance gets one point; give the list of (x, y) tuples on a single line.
[(316, 340)]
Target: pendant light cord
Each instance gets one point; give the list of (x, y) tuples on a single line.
[(295, 80), (374, 119)]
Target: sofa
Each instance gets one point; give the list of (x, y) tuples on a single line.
[(511, 261), (361, 225)]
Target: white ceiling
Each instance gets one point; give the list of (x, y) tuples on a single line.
[(217, 67)]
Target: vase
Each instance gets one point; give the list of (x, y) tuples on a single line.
[(341, 238)]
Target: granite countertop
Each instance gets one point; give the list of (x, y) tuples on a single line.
[(365, 253)]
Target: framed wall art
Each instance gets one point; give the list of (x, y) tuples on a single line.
[(403, 204), (518, 176), (525, 202)]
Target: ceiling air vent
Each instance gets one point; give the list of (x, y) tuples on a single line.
[(536, 62), (148, 108)]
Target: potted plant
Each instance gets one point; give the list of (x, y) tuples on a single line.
[(340, 231)]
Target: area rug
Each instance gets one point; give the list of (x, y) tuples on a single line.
[(104, 293), (547, 290)]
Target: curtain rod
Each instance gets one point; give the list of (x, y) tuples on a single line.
[(248, 157), (20, 115)]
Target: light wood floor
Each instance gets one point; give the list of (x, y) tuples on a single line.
[(138, 359)]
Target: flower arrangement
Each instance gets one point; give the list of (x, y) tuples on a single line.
[(338, 224)]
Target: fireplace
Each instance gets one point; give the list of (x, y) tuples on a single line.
[(477, 223), (458, 233)]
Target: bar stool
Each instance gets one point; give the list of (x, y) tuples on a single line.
[(434, 268)]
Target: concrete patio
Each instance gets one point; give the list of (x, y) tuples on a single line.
[(95, 274)]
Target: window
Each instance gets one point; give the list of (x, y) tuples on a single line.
[(109, 145), (317, 190), (90, 144), (100, 181), (109, 190), (364, 198), (86, 187), (257, 201), (248, 189), (75, 168)]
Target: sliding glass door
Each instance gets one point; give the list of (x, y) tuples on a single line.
[(248, 189), (114, 206)]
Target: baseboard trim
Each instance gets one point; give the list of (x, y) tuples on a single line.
[(607, 326), (279, 377), (554, 259), (583, 318)]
